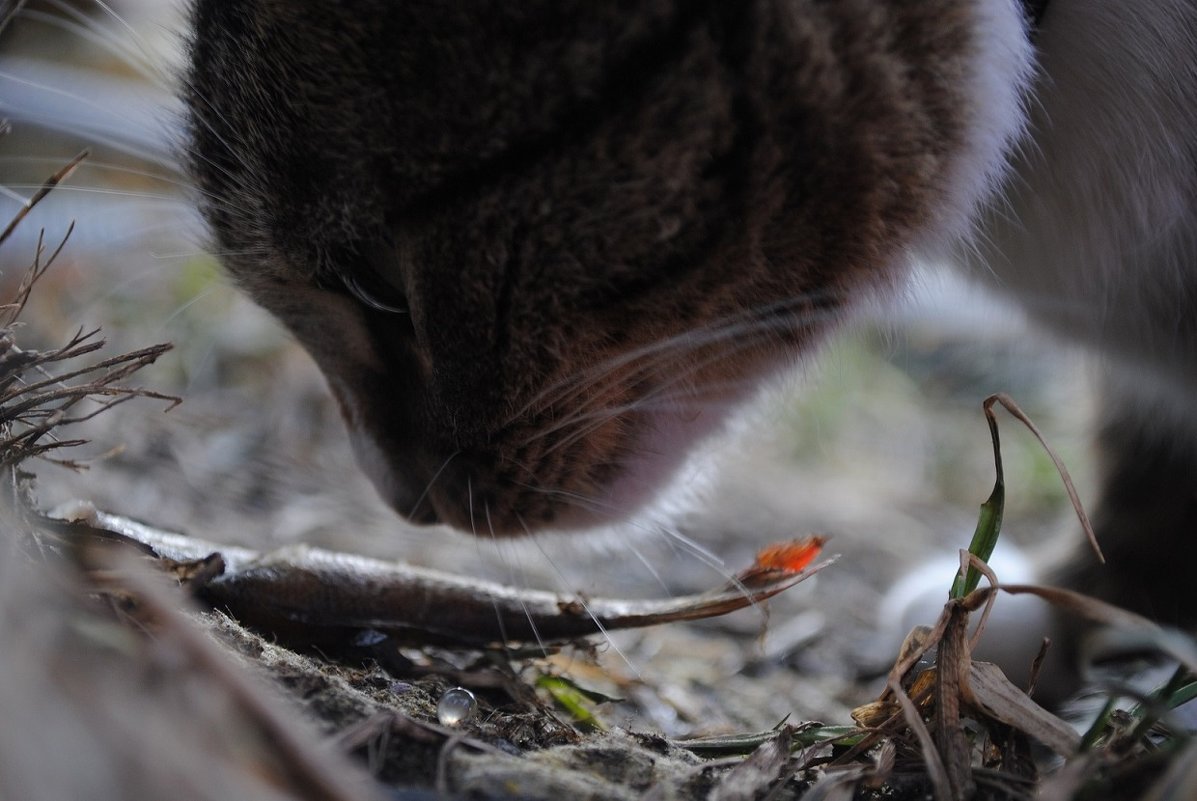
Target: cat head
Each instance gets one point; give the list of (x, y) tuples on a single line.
[(538, 249)]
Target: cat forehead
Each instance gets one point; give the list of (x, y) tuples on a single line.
[(317, 126), (306, 152)]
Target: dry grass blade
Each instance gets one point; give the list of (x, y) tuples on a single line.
[(1078, 604), (912, 652), (952, 664), (990, 691), (1010, 406), (935, 767), (12, 310), (968, 560), (31, 412), (34, 401), (45, 189)]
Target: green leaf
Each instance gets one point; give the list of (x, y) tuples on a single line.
[(575, 700)]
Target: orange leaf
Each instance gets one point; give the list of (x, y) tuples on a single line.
[(792, 556)]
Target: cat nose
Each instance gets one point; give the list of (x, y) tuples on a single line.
[(470, 495), (467, 489)]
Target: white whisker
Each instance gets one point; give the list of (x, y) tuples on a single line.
[(502, 626), (261, 250), (470, 506), (81, 25), (235, 152), (673, 537), (666, 404), (586, 608), (660, 394), (523, 582), (577, 499), (802, 310), (679, 543), (89, 165), (431, 481), (183, 307), (98, 190), (145, 143), (707, 557), (648, 566), (19, 198), (134, 36)]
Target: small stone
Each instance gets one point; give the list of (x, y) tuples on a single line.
[(456, 706)]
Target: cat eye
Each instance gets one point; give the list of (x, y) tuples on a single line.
[(375, 292)]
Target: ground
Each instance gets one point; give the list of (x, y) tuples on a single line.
[(879, 443)]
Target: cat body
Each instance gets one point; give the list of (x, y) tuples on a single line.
[(1095, 234), (541, 249)]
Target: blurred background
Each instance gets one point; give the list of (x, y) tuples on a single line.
[(878, 442)]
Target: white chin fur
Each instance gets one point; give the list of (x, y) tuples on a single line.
[(668, 455)]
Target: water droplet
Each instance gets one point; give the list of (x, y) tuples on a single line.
[(368, 637), (456, 706)]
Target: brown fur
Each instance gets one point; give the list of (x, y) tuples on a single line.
[(592, 211)]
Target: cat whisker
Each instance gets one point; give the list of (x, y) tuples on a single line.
[(100, 125), (677, 541), (259, 250), (772, 318), (158, 197), (220, 199), (136, 38), (598, 416), (17, 196), (118, 211), (207, 124), (649, 567), (581, 599), (523, 582), (172, 215), (693, 549), (681, 404), (573, 498), (139, 46), (183, 307), (514, 581), (503, 636), (103, 167), (470, 507), (79, 24), (575, 436), (428, 487)]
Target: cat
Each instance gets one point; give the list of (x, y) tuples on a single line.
[(541, 249)]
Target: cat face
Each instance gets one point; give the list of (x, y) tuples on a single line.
[(540, 250)]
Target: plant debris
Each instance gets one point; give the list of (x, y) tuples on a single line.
[(307, 594)]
